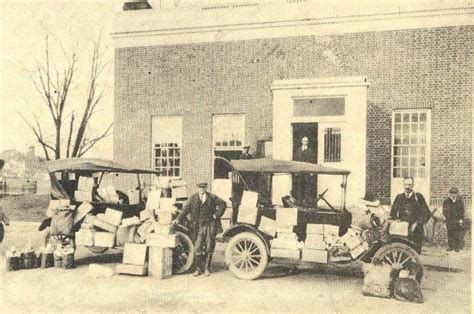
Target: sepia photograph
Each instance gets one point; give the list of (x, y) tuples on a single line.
[(248, 156)]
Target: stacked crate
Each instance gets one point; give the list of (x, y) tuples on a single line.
[(315, 248), (354, 242), (248, 210), (134, 260), (286, 244)]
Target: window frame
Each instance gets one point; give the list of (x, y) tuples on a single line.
[(339, 154)]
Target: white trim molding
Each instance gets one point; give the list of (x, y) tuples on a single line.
[(320, 83), (186, 25)]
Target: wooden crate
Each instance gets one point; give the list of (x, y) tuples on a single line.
[(160, 262)]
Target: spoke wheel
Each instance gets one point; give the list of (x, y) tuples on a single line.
[(57, 239), (183, 254), (246, 256), (401, 257)]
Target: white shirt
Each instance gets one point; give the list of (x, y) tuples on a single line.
[(203, 197)]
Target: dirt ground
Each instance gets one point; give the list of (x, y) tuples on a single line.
[(446, 287)]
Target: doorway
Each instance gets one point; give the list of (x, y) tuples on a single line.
[(304, 185)]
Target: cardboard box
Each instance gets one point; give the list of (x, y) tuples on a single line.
[(222, 188), (249, 199), (104, 239), (145, 215), (124, 235), (268, 226), (133, 197), (128, 269), (285, 244), (314, 229), (162, 240), (113, 217), (143, 228), (282, 253), (134, 254), (163, 229), (317, 256), (132, 221), (287, 236), (160, 262), (165, 217), (85, 237), (399, 228), (331, 230), (356, 252), (287, 216), (104, 225), (82, 211), (167, 204), (315, 245), (85, 184), (87, 226), (312, 237), (179, 192), (153, 200), (247, 215), (351, 241), (89, 219), (82, 196)]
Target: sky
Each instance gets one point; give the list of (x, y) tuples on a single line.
[(72, 26)]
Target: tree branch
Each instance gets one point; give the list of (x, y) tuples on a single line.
[(71, 127), (91, 143)]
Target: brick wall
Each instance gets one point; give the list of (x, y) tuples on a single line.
[(423, 68)]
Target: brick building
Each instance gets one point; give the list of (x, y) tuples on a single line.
[(385, 91)]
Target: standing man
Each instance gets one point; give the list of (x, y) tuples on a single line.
[(245, 153), (206, 210), (453, 210), (411, 207), (304, 180)]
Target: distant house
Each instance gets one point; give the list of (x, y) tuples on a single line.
[(384, 90)]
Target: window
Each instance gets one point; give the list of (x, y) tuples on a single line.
[(228, 131), (332, 145), (409, 144), (168, 159), (319, 107), (166, 139)]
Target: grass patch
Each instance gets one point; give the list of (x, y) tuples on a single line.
[(29, 207)]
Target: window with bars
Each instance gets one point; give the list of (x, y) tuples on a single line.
[(332, 145), (168, 159), (409, 144)]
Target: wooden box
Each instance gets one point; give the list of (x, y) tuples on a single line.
[(287, 216), (282, 253), (160, 262), (113, 217), (85, 237), (134, 254), (129, 269), (317, 256), (165, 217), (247, 215), (162, 240), (314, 229), (104, 225), (104, 239)]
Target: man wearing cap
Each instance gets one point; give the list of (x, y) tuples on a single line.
[(411, 207), (453, 210), (245, 153), (206, 210)]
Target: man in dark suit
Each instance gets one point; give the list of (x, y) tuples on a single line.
[(206, 209), (304, 180), (411, 207), (453, 210)]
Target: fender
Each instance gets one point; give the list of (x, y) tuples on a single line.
[(406, 241), (239, 228)]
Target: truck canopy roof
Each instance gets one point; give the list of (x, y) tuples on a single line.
[(92, 165), (284, 166)]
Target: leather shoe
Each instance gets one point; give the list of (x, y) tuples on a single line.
[(207, 273), (196, 273)]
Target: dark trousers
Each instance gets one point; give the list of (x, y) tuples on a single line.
[(455, 235), (205, 237), (2, 232)]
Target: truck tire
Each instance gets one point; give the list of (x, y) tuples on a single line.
[(246, 256)]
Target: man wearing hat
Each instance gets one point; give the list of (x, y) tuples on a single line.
[(206, 210), (245, 153), (411, 207), (453, 210)]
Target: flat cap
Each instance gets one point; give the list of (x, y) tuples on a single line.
[(454, 190)]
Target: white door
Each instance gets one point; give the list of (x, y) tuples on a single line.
[(411, 150)]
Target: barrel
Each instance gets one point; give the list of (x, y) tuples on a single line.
[(47, 260), (68, 260), (28, 260), (12, 263)]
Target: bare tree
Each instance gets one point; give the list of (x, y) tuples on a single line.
[(54, 86)]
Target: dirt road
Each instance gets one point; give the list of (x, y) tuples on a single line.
[(446, 287)]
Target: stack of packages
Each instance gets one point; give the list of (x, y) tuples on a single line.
[(64, 256), (286, 243), (353, 241), (162, 240), (223, 189), (268, 226), (134, 260), (248, 210), (107, 190), (377, 280), (126, 231), (84, 189), (99, 230), (318, 238)]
